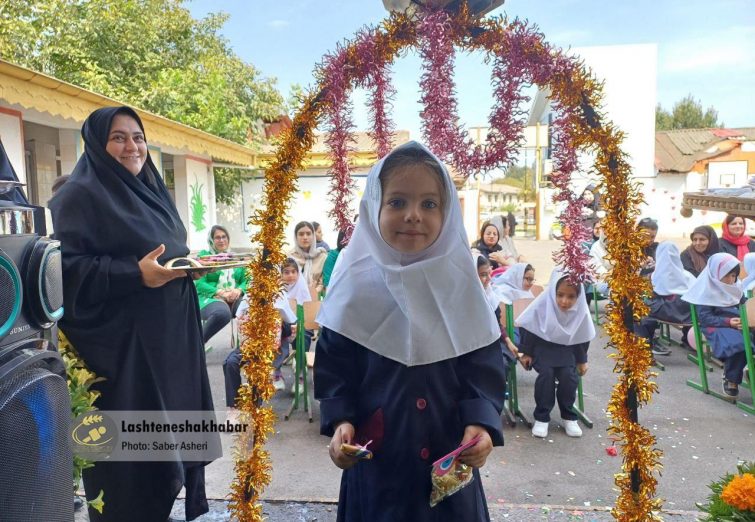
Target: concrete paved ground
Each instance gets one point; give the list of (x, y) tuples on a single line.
[(701, 437)]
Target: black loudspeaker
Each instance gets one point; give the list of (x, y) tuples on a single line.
[(31, 286), (36, 483)]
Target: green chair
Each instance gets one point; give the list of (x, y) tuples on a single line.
[(305, 315), (596, 296), (511, 409)]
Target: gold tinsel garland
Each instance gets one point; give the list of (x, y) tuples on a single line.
[(574, 88)]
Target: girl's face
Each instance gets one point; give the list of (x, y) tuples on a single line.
[(566, 295), (289, 275), (729, 279), (737, 227), (126, 143), (529, 279), (411, 211), (588, 197), (700, 243), (304, 238), (490, 236), (484, 273), (220, 240)]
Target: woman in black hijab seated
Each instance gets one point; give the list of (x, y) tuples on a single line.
[(133, 322)]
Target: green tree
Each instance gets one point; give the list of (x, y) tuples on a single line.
[(687, 113), (149, 53)]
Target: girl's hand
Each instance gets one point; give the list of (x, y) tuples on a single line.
[(581, 369), (155, 275), (344, 434), (477, 454), (512, 347), (735, 322), (526, 361)]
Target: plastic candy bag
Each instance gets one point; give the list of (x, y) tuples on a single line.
[(449, 475)]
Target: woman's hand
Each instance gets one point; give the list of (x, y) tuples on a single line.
[(526, 361), (153, 274), (344, 434), (477, 454), (232, 295), (582, 369), (498, 257)]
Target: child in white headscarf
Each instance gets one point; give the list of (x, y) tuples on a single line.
[(670, 281), (408, 355), (717, 296), (484, 268), (748, 283), (556, 330)]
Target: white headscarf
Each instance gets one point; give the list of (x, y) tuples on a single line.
[(670, 277), (545, 319), (709, 290), (412, 308), (299, 291), (493, 299), (598, 256), (748, 283), (508, 286)]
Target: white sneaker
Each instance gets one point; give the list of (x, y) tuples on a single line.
[(540, 429), (278, 383), (572, 428)]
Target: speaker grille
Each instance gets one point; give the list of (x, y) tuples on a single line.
[(52, 291), (10, 294), (36, 483)]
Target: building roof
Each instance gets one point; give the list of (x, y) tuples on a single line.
[(499, 188), (33, 90), (679, 150)]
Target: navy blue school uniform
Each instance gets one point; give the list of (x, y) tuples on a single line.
[(414, 415), (726, 343), (667, 308), (553, 362)]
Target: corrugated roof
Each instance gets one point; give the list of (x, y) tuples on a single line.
[(679, 150)]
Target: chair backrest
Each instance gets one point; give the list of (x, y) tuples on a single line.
[(519, 306), (310, 312), (750, 309)]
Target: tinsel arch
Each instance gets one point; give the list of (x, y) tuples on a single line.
[(520, 56)]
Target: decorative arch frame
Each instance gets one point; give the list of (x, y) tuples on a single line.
[(521, 56)]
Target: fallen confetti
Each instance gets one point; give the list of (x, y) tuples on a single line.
[(611, 450)]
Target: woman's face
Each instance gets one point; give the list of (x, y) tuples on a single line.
[(700, 243), (318, 233), (490, 236), (737, 227), (484, 273), (304, 238), (588, 197), (596, 229), (126, 143), (220, 240), (529, 279)]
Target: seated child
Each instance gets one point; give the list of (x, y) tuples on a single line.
[(484, 267), (670, 281), (717, 296), (556, 331)]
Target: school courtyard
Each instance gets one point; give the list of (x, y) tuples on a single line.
[(557, 478)]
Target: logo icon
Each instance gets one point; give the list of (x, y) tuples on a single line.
[(94, 435)]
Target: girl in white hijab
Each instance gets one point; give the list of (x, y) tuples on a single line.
[(717, 297), (555, 333), (670, 281), (748, 283), (408, 354), (514, 284)]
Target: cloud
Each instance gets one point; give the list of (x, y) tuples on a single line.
[(567, 38), (725, 49), (278, 24)]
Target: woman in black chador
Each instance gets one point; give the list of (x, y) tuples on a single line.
[(134, 322)]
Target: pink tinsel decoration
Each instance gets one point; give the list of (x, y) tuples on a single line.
[(572, 255), (439, 126)]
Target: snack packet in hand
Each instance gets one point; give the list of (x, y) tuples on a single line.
[(450, 475), (356, 450)]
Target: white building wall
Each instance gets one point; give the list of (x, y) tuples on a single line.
[(12, 136)]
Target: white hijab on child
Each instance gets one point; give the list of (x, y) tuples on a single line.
[(748, 283), (669, 276), (545, 319), (709, 290), (411, 308), (299, 291), (493, 299), (509, 286)]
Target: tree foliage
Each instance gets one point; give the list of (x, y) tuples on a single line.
[(149, 53), (687, 113)]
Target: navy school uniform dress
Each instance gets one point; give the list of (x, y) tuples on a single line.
[(414, 415), (726, 343), (553, 362), (667, 308)]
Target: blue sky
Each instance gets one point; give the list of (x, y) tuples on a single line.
[(706, 48)]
